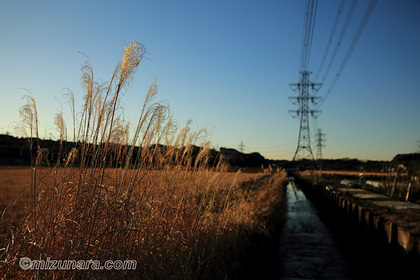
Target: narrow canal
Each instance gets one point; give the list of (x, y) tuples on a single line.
[(308, 249)]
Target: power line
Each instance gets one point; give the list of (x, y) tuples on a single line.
[(314, 10), (304, 98), (311, 32), (304, 35), (337, 18), (340, 39), (356, 37), (309, 25)]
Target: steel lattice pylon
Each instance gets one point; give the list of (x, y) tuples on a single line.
[(303, 150), (320, 143)]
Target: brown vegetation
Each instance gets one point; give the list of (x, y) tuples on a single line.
[(172, 212), (178, 224)]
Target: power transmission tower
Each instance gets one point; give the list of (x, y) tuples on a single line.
[(320, 143), (303, 99), (241, 147)]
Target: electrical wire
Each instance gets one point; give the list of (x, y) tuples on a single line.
[(313, 20), (308, 30), (356, 37), (337, 18), (340, 39)]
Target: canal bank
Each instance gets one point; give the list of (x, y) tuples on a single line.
[(380, 235)]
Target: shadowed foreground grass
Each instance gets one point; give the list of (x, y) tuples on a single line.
[(196, 227)]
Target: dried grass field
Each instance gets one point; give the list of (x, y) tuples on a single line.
[(153, 193), (192, 228)]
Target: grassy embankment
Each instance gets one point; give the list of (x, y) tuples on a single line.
[(164, 206)]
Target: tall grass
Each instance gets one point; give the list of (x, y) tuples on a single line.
[(152, 196)]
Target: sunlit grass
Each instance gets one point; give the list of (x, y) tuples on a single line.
[(156, 196)]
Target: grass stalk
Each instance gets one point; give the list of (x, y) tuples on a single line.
[(154, 196)]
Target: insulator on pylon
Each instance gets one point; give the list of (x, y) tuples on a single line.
[(304, 147)]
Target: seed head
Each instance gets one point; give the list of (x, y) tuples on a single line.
[(131, 59)]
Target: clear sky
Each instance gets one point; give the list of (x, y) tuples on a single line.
[(226, 65)]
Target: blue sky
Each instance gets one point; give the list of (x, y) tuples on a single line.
[(227, 66)]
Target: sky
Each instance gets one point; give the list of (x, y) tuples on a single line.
[(227, 66)]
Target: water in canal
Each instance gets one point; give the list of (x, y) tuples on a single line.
[(308, 250)]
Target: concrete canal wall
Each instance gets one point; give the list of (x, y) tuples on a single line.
[(385, 229)]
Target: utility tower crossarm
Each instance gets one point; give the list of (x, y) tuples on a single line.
[(303, 100)]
